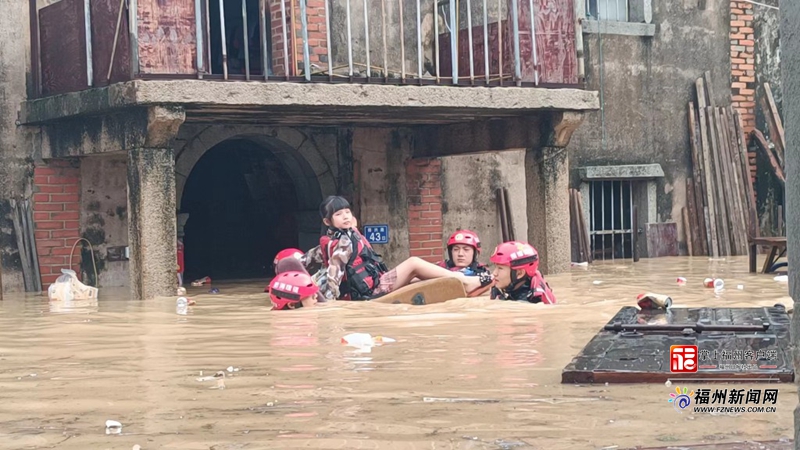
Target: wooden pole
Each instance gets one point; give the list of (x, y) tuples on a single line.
[(501, 211), (776, 119), (744, 161), (509, 220), (687, 232), (764, 146), (721, 208), (694, 229), (698, 187), (707, 174), (584, 233), (635, 235)]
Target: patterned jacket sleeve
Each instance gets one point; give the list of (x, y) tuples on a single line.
[(337, 263), (312, 257)]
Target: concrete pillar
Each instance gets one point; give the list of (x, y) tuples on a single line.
[(790, 69), (152, 227), (547, 184)]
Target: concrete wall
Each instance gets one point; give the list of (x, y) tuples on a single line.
[(766, 33), (339, 47), (104, 217), (380, 155), (790, 71), (645, 85), (16, 167), (468, 190)]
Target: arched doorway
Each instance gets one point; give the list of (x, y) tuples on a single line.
[(244, 201)]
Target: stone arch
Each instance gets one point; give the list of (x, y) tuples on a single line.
[(298, 152)]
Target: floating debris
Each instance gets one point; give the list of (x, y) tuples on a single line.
[(113, 427)]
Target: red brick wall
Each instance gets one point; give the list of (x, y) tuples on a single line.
[(56, 215), (743, 74), (423, 179), (317, 36)]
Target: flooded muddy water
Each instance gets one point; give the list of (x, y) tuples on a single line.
[(466, 374)]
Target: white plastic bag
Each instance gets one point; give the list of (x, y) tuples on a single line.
[(67, 287)]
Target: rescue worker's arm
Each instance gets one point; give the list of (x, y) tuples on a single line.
[(337, 264)]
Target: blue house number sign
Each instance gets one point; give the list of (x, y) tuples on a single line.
[(377, 234)]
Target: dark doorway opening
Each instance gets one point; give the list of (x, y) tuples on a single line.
[(242, 206)]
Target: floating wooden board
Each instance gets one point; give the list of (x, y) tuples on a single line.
[(662, 239), (426, 292), (643, 356)]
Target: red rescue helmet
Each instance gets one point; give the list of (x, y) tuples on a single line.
[(465, 237), (289, 288), (285, 253), (518, 255)]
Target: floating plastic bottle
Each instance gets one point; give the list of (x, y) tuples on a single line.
[(182, 306), (719, 284)]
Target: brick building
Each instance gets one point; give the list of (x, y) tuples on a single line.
[(227, 119)]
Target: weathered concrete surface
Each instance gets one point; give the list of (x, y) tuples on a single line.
[(552, 128), (547, 174), (480, 136), (152, 227), (646, 84), (620, 28), (348, 101), (123, 130), (790, 70), (630, 171), (16, 168), (82, 136), (152, 221), (381, 186), (104, 220), (468, 196), (766, 34)]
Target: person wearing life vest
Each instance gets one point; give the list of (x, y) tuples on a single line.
[(356, 272), (292, 290), (463, 249), (517, 274), (181, 262)]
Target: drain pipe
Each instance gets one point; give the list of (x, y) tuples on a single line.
[(580, 13)]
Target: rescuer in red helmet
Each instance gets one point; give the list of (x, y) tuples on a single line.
[(517, 275), (292, 290), (463, 249), (285, 253)]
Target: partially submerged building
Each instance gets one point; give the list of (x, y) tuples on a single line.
[(227, 122)]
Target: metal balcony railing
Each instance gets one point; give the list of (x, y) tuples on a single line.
[(456, 42)]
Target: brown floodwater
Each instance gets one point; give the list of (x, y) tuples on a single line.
[(466, 374)]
